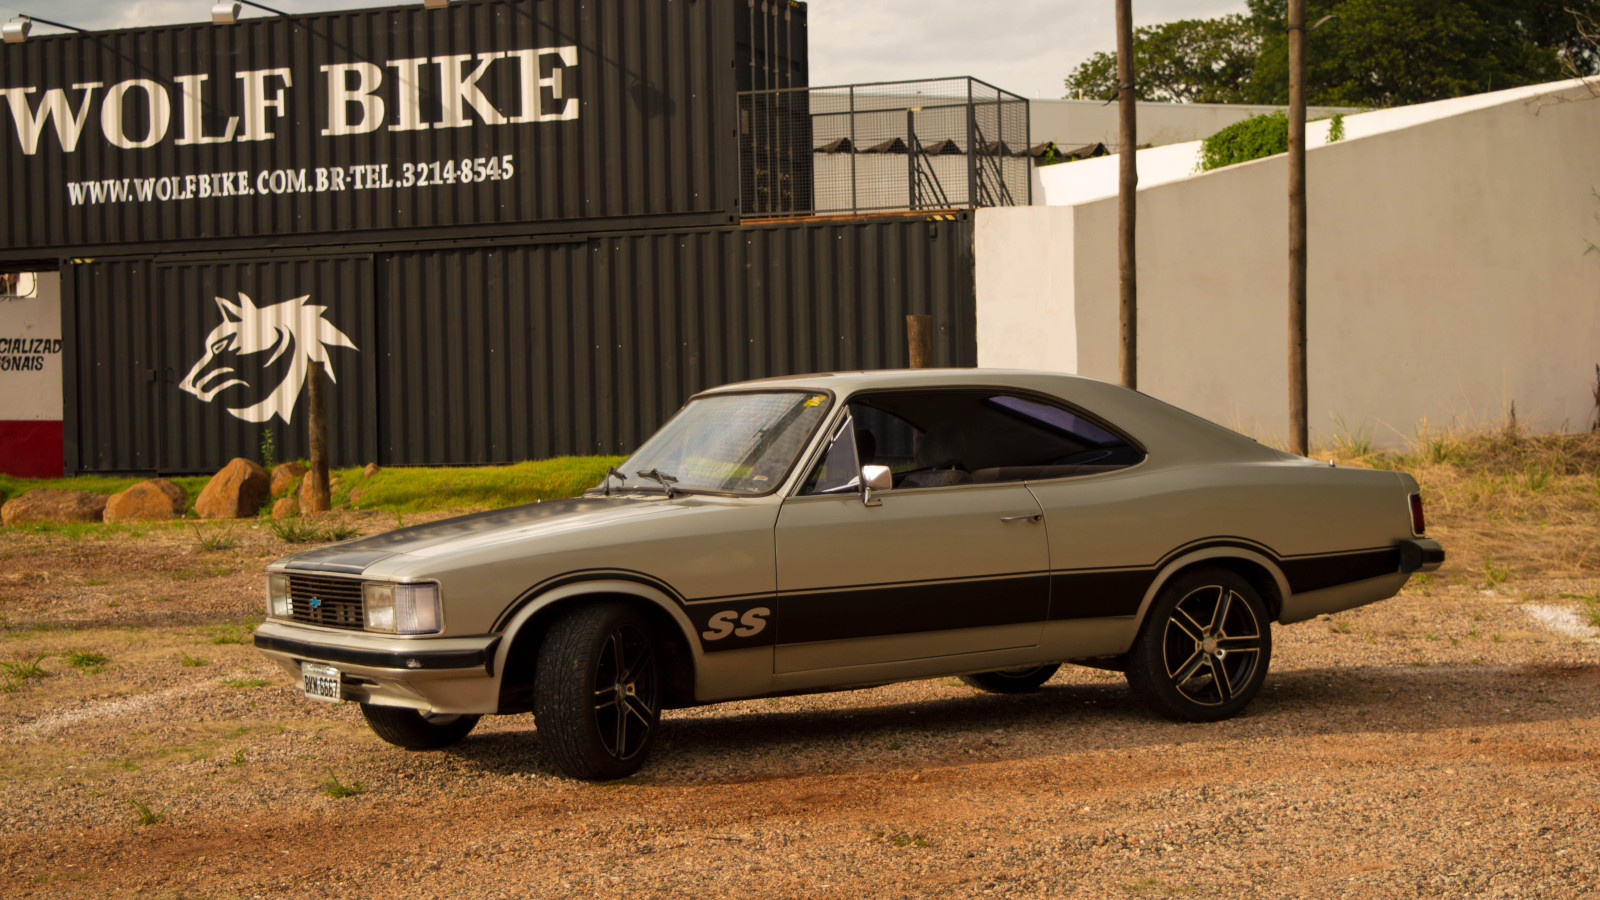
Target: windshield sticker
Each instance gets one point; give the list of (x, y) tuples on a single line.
[(815, 400)]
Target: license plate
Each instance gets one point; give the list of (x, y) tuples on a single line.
[(321, 682)]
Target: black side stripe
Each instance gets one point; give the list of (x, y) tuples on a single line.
[(841, 614)]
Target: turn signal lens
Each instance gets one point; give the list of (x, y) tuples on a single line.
[(278, 597), (1418, 526), (401, 608)]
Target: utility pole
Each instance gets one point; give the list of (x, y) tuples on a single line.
[(317, 422), (919, 338), (1127, 184), (1298, 436)]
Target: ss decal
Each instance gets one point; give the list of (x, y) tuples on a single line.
[(729, 622)]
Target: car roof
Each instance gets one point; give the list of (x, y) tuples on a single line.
[(1165, 431)]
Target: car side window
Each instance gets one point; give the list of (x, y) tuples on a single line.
[(936, 438)]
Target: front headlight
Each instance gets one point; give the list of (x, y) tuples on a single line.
[(401, 608), (278, 606)]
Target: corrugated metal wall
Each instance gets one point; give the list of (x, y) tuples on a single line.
[(651, 137), (496, 354), (141, 329)]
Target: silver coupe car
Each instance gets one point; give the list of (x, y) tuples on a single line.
[(832, 531)]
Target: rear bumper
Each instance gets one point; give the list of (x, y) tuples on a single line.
[(441, 675), (1420, 555)]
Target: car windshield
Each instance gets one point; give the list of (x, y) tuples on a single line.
[(727, 443)]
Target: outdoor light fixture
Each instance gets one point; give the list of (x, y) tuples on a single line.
[(16, 31), (227, 12)]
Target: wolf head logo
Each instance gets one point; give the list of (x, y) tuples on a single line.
[(292, 327)]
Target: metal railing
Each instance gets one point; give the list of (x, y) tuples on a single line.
[(953, 143)]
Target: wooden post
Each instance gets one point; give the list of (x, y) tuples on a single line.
[(1298, 430), (1127, 185), (919, 335), (317, 422)]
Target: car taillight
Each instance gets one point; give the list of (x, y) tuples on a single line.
[(1418, 526)]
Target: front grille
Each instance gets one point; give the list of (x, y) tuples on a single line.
[(331, 602)]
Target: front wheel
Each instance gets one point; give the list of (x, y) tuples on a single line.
[(1204, 649), (416, 730), (1011, 681), (597, 692)]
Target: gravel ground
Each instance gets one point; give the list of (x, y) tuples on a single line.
[(1443, 743)]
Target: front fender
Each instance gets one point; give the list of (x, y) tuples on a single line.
[(537, 600)]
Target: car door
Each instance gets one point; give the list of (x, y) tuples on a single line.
[(935, 567)]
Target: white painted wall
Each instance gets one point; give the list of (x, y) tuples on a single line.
[(29, 394), (1073, 123), (1449, 275)]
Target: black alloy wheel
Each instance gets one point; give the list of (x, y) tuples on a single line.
[(1205, 647), (597, 691)]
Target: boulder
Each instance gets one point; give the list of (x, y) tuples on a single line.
[(285, 508), (147, 501), (236, 492), (371, 470), (50, 505), (283, 477), (304, 496)]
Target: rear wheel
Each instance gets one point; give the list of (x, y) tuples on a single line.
[(1011, 681), (416, 730), (597, 691), (1205, 647)]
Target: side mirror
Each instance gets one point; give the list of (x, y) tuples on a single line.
[(875, 478)]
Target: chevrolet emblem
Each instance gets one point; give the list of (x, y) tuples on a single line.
[(316, 602)]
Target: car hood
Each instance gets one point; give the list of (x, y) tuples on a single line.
[(479, 529)]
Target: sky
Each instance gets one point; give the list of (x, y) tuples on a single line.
[(1025, 46)]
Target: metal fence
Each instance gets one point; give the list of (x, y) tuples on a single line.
[(951, 143)]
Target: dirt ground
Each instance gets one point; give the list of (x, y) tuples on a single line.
[(1443, 743)]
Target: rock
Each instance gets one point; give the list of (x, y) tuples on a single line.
[(236, 492), (371, 470), (50, 505), (283, 477), (355, 496), (286, 508), (304, 496), (147, 501)]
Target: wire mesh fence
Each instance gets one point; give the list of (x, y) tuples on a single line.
[(911, 145)]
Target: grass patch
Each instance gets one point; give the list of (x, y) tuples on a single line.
[(233, 634), (96, 484), (1494, 574), (143, 815), (87, 660), (413, 490), (305, 531), (333, 787), (246, 683), (192, 662), (22, 670), (216, 540)]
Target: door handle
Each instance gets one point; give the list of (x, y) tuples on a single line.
[(1031, 517)]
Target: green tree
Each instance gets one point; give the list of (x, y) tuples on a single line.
[(1394, 52), (1375, 53), (1189, 61)]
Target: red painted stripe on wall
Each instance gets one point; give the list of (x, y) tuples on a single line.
[(30, 449)]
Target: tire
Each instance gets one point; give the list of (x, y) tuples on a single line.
[(415, 730), (1205, 647), (1011, 681), (597, 692)]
